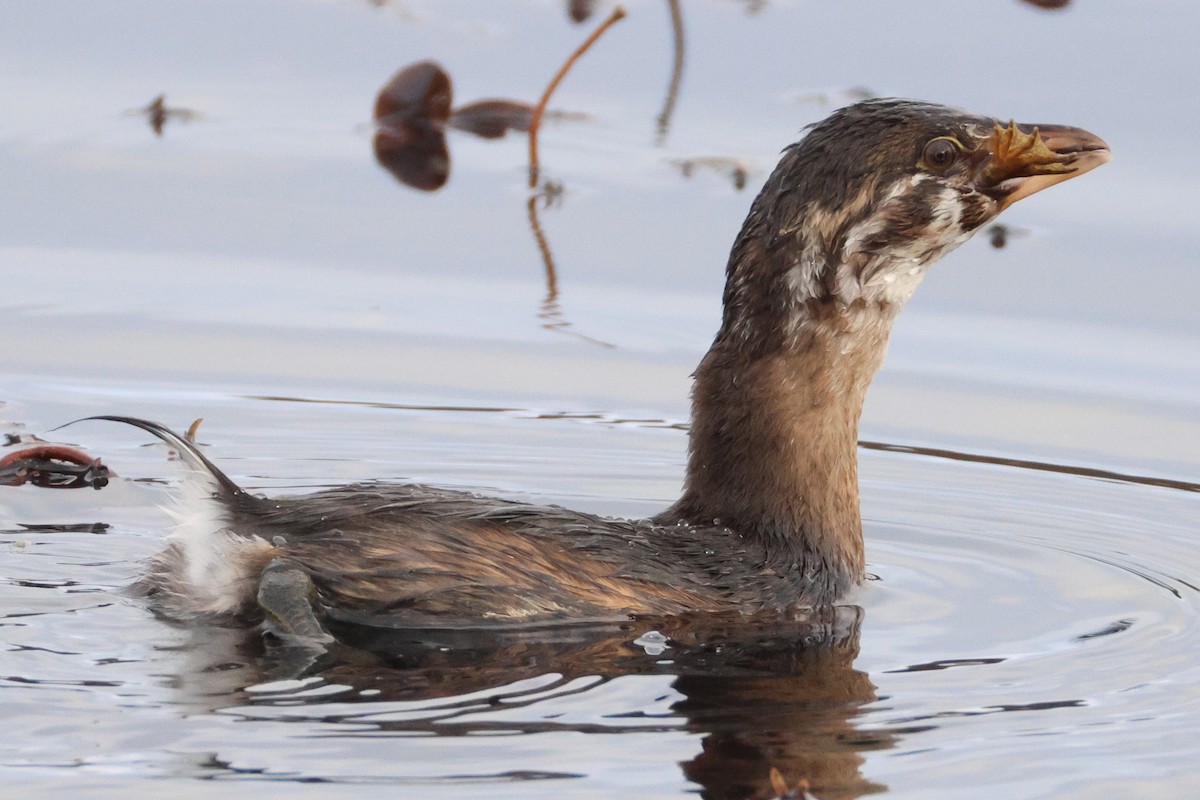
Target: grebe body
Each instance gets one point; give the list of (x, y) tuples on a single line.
[(838, 239)]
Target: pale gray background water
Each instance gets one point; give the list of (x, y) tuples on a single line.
[(260, 253)]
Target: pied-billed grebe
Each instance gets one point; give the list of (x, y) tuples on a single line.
[(835, 243)]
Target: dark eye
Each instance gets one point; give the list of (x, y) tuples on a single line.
[(940, 153)]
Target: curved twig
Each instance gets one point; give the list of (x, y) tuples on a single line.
[(539, 111), (663, 121)]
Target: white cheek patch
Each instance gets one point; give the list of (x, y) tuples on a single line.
[(875, 224), (892, 275), (896, 286), (947, 209), (802, 278), (801, 281)]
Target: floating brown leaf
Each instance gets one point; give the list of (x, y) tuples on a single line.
[(580, 10), (411, 112), (492, 119), (419, 94), (1051, 4)]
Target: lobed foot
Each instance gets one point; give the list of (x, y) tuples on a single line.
[(286, 594)]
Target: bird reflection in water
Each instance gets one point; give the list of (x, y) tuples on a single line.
[(766, 699)]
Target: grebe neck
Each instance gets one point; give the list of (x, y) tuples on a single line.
[(774, 436)]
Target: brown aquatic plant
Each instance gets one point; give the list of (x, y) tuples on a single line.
[(53, 466), (663, 121), (413, 111), (410, 114), (580, 10), (540, 109), (492, 119), (551, 313)]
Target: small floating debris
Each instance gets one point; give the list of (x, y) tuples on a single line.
[(11, 439), (158, 113), (842, 97), (65, 527), (53, 467), (998, 234), (653, 642), (1053, 5), (734, 169)]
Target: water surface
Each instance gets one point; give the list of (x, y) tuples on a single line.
[(1028, 633)]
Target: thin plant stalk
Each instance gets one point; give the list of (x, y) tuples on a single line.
[(539, 111)]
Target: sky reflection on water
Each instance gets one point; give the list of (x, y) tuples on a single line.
[(1031, 636)]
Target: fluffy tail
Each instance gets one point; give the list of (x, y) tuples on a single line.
[(188, 451), (213, 561)]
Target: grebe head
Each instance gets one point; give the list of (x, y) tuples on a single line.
[(838, 239), (859, 209)]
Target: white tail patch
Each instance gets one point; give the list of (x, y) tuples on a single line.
[(208, 567)]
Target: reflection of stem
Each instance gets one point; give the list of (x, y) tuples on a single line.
[(668, 110), (551, 314), (1041, 466), (539, 236), (534, 124), (552, 320)]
